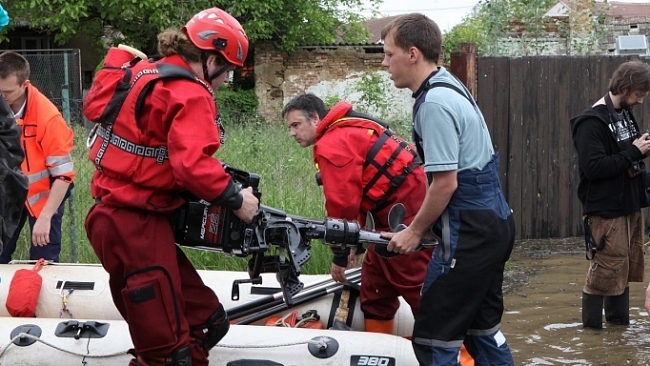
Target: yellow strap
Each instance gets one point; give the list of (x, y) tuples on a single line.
[(343, 311), (345, 119)]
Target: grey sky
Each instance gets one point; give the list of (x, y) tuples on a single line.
[(444, 12)]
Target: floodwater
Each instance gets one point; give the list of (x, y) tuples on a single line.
[(542, 319)]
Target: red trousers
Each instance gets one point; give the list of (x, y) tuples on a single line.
[(153, 284), (384, 279)]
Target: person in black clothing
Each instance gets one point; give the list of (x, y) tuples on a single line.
[(612, 190), (13, 189), (13, 182)]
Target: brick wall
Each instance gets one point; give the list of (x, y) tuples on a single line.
[(325, 71), (624, 27)]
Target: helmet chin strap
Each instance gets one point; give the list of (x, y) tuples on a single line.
[(204, 65)]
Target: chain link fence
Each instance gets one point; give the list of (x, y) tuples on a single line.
[(252, 144), (255, 145), (57, 74)]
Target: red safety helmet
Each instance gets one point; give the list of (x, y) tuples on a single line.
[(215, 30)]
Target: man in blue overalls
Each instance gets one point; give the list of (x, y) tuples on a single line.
[(462, 299)]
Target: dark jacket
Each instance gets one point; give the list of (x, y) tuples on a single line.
[(13, 183), (606, 188)]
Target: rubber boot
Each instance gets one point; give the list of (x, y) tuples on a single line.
[(617, 308), (380, 326), (592, 311)]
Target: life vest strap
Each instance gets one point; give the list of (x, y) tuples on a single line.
[(384, 169)]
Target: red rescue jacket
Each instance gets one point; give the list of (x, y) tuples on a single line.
[(386, 159), (159, 141)]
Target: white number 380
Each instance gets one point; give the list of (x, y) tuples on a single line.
[(373, 361)]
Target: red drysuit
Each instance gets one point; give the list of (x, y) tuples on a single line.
[(143, 164), (340, 154)]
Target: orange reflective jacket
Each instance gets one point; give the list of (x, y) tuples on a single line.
[(47, 141)]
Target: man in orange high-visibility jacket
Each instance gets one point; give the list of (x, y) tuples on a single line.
[(47, 142)]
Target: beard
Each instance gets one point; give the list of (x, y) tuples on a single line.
[(624, 104), (625, 101)]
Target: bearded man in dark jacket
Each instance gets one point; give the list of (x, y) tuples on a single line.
[(612, 190)]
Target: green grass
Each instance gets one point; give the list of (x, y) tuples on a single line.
[(286, 181)]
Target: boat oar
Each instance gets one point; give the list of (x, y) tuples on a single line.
[(276, 299), (320, 290), (297, 301), (278, 295)]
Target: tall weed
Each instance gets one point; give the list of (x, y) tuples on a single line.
[(286, 181)]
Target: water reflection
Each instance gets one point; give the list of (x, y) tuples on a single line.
[(543, 321)]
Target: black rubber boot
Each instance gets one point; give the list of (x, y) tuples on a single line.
[(592, 311), (617, 308)]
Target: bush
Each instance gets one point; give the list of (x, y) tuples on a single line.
[(236, 105)]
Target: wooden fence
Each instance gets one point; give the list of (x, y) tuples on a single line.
[(528, 103)]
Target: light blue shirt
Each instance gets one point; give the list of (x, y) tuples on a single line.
[(453, 132)]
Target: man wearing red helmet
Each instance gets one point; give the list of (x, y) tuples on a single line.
[(160, 144)]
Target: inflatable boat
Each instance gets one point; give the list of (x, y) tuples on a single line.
[(77, 323)]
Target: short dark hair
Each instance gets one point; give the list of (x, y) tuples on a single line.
[(309, 104), (13, 63), (631, 76), (416, 30)]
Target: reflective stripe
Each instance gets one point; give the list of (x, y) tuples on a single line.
[(33, 199), (438, 343), (35, 177), (457, 343), (484, 332), (160, 153), (62, 169), (58, 160)]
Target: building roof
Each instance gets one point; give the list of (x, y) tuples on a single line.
[(613, 9), (560, 9), (376, 25), (628, 10)]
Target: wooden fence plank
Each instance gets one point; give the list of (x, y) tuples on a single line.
[(642, 112), (516, 146), (484, 99), (496, 92), (540, 119), (501, 123), (582, 97), (553, 91), (564, 146), (529, 144)]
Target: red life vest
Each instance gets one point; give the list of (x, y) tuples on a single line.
[(387, 163), (117, 146)]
